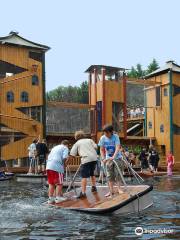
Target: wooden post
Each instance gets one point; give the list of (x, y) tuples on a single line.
[(124, 107), (103, 74), (89, 86), (95, 99)]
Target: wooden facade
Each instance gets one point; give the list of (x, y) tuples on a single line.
[(106, 94), (163, 105), (22, 94)]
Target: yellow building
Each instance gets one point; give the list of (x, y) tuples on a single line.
[(106, 94), (163, 110), (22, 94)]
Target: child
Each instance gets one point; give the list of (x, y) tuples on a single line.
[(86, 149), (32, 156), (170, 163), (55, 171), (110, 150)]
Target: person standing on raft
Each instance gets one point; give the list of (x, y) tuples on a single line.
[(86, 149), (110, 151), (55, 171)]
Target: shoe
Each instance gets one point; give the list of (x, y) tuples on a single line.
[(93, 189), (51, 200), (100, 181), (60, 199), (109, 194), (81, 195)]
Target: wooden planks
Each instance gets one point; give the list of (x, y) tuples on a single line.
[(98, 199)]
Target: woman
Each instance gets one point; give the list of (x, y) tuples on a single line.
[(170, 163)]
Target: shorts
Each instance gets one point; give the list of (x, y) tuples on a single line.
[(41, 160), (112, 171), (54, 177), (87, 169)]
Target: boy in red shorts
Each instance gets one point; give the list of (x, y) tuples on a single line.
[(55, 171)]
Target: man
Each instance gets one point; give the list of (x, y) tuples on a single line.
[(110, 150), (86, 149), (55, 171), (32, 156), (143, 159), (42, 152)]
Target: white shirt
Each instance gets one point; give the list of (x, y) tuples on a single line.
[(32, 150), (86, 149), (55, 159)]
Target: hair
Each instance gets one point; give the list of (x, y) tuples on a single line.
[(65, 142), (108, 128), (34, 140), (79, 135)]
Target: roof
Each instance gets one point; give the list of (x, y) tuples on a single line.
[(109, 69), (15, 39), (170, 65)]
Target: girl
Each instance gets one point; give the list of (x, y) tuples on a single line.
[(170, 163)]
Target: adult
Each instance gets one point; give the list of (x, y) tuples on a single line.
[(42, 152), (32, 156), (143, 159)]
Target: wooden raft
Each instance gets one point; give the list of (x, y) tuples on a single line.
[(98, 200)]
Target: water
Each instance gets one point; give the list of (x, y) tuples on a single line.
[(23, 216)]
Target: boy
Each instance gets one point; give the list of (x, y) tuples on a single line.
[(55, 171), (110, 150), (86, 149), (42, 152)]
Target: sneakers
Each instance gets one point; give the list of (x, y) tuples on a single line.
[(51, 200), (60, 199), (93, 189), (81, 195)]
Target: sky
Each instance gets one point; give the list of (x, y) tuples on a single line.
[(81, 33)]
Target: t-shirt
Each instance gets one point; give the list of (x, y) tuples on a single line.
[(86, 149), (56, 158), (110, 145), (41, 149), (32, 150)]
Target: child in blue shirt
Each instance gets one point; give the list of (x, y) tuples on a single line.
[(110, 150)]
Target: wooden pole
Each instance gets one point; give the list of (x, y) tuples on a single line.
[(103, 73), (95, 99), (124, 106)]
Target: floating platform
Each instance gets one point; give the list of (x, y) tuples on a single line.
[(31, 178), (6, 178), (133, 199)]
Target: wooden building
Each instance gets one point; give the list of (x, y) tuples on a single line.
[(163, 106), (22, 94), (106, 94)]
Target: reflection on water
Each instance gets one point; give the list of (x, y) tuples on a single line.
[(23, 216)]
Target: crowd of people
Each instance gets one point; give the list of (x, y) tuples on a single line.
[(134, 112), (108, 151)]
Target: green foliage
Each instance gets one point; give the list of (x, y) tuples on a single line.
[(152, 66), (69, 94)]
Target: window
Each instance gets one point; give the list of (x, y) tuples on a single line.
[(161, 128), (165, 92), (24, 97), (150, 125), (10, 96), (158, 96), (116, 107), (36, 56), (99, 115), (35, 80)]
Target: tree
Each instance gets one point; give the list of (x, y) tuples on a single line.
[(153, 66), (69, 94)]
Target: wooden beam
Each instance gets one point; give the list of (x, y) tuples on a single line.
[(69, 105), (142, 81)]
